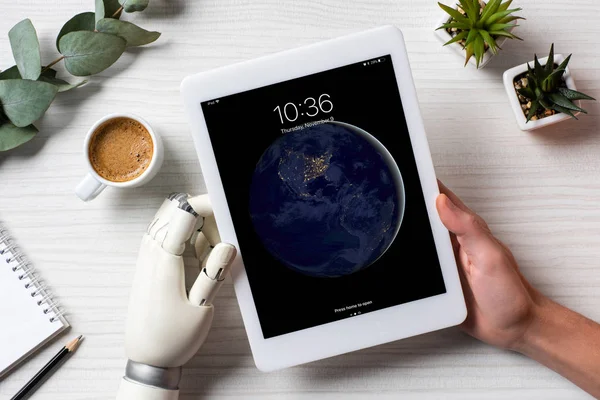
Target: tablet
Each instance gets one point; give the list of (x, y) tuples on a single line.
[(319, 172)]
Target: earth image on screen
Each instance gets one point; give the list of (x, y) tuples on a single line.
[(326, 200)]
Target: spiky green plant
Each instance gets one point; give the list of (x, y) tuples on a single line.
[(546, 88), (480, 26)]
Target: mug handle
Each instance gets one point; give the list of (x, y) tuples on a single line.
[(89, 188)]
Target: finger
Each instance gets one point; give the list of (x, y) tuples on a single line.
[(160, 214), (467, 293), (210, 230), (201, 245), (201, 204), (178, 231), (212, 275), (158, 227), (453, 197), (471, 232)]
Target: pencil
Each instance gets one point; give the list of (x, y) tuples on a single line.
[(47, 369)]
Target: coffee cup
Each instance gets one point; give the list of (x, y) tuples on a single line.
[(120, 150)]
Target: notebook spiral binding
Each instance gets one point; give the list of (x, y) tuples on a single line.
[(18, 263)]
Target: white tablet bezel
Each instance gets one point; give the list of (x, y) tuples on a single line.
[(363, 330)]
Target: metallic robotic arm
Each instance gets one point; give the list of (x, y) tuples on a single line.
[(166, 326)]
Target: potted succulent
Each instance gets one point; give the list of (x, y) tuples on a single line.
[(545, 94), (476, 28)]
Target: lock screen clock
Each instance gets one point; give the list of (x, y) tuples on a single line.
[(310, 107)]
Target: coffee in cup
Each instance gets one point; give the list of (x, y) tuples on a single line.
[(121, 150)]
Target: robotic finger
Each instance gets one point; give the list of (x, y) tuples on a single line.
[(186, 214), (174, 223), (213, 274)]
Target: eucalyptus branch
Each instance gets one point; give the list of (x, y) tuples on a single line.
[(118, 12), (88, 43), (47, 67)]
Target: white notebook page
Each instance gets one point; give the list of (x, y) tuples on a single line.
[(27, 321)]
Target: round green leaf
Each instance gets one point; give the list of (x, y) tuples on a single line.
[(48, 72), (26, 49), (12, 136), (106, 9), (81, 22), (11, 73), (60, 84), (133, 34), (87, 53), (24, 101), (134, 5)]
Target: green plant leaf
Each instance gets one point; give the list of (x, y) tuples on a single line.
[(562, 101), (490, 8), (12, 136), (60, 84), (87, 53), (479, 49), (51, 73), (473, 34), (49, 76), (11, 73), (545, 104), (106, 9), (26, 49), (537, 68), (474, 10), (24, 101), (563, 65), (550, 83), (504, 33), (81, 22), (550, 63), (504, 6), (527, 92), (501, 27), (133, 34), (490, 41), (510, 19), (453, 12), (457, 38), (535, 105), (467, 7), (134, 5), (469, 53), (458, 25), (499, 16), (530, 75), (558, 108), (574, 94)]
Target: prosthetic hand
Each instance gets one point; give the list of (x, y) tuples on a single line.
[(166, 326)]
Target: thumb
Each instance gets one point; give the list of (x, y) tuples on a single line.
[(471, 231)]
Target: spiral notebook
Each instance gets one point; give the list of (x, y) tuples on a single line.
[(29, 317)]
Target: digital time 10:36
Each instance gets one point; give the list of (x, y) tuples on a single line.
[(310, 107)]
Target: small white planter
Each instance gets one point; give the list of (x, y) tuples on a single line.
[(444, 37), (508, 79)]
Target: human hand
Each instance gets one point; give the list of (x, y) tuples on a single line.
[(501, 303)]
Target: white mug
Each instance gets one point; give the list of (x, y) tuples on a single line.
[(93, 184)]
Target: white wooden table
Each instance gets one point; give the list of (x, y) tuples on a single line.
[(539, 192)]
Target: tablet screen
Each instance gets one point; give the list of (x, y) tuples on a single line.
[(325, 197)]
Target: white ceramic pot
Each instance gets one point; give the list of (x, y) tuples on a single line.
[(444, 37), (508, 79)]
